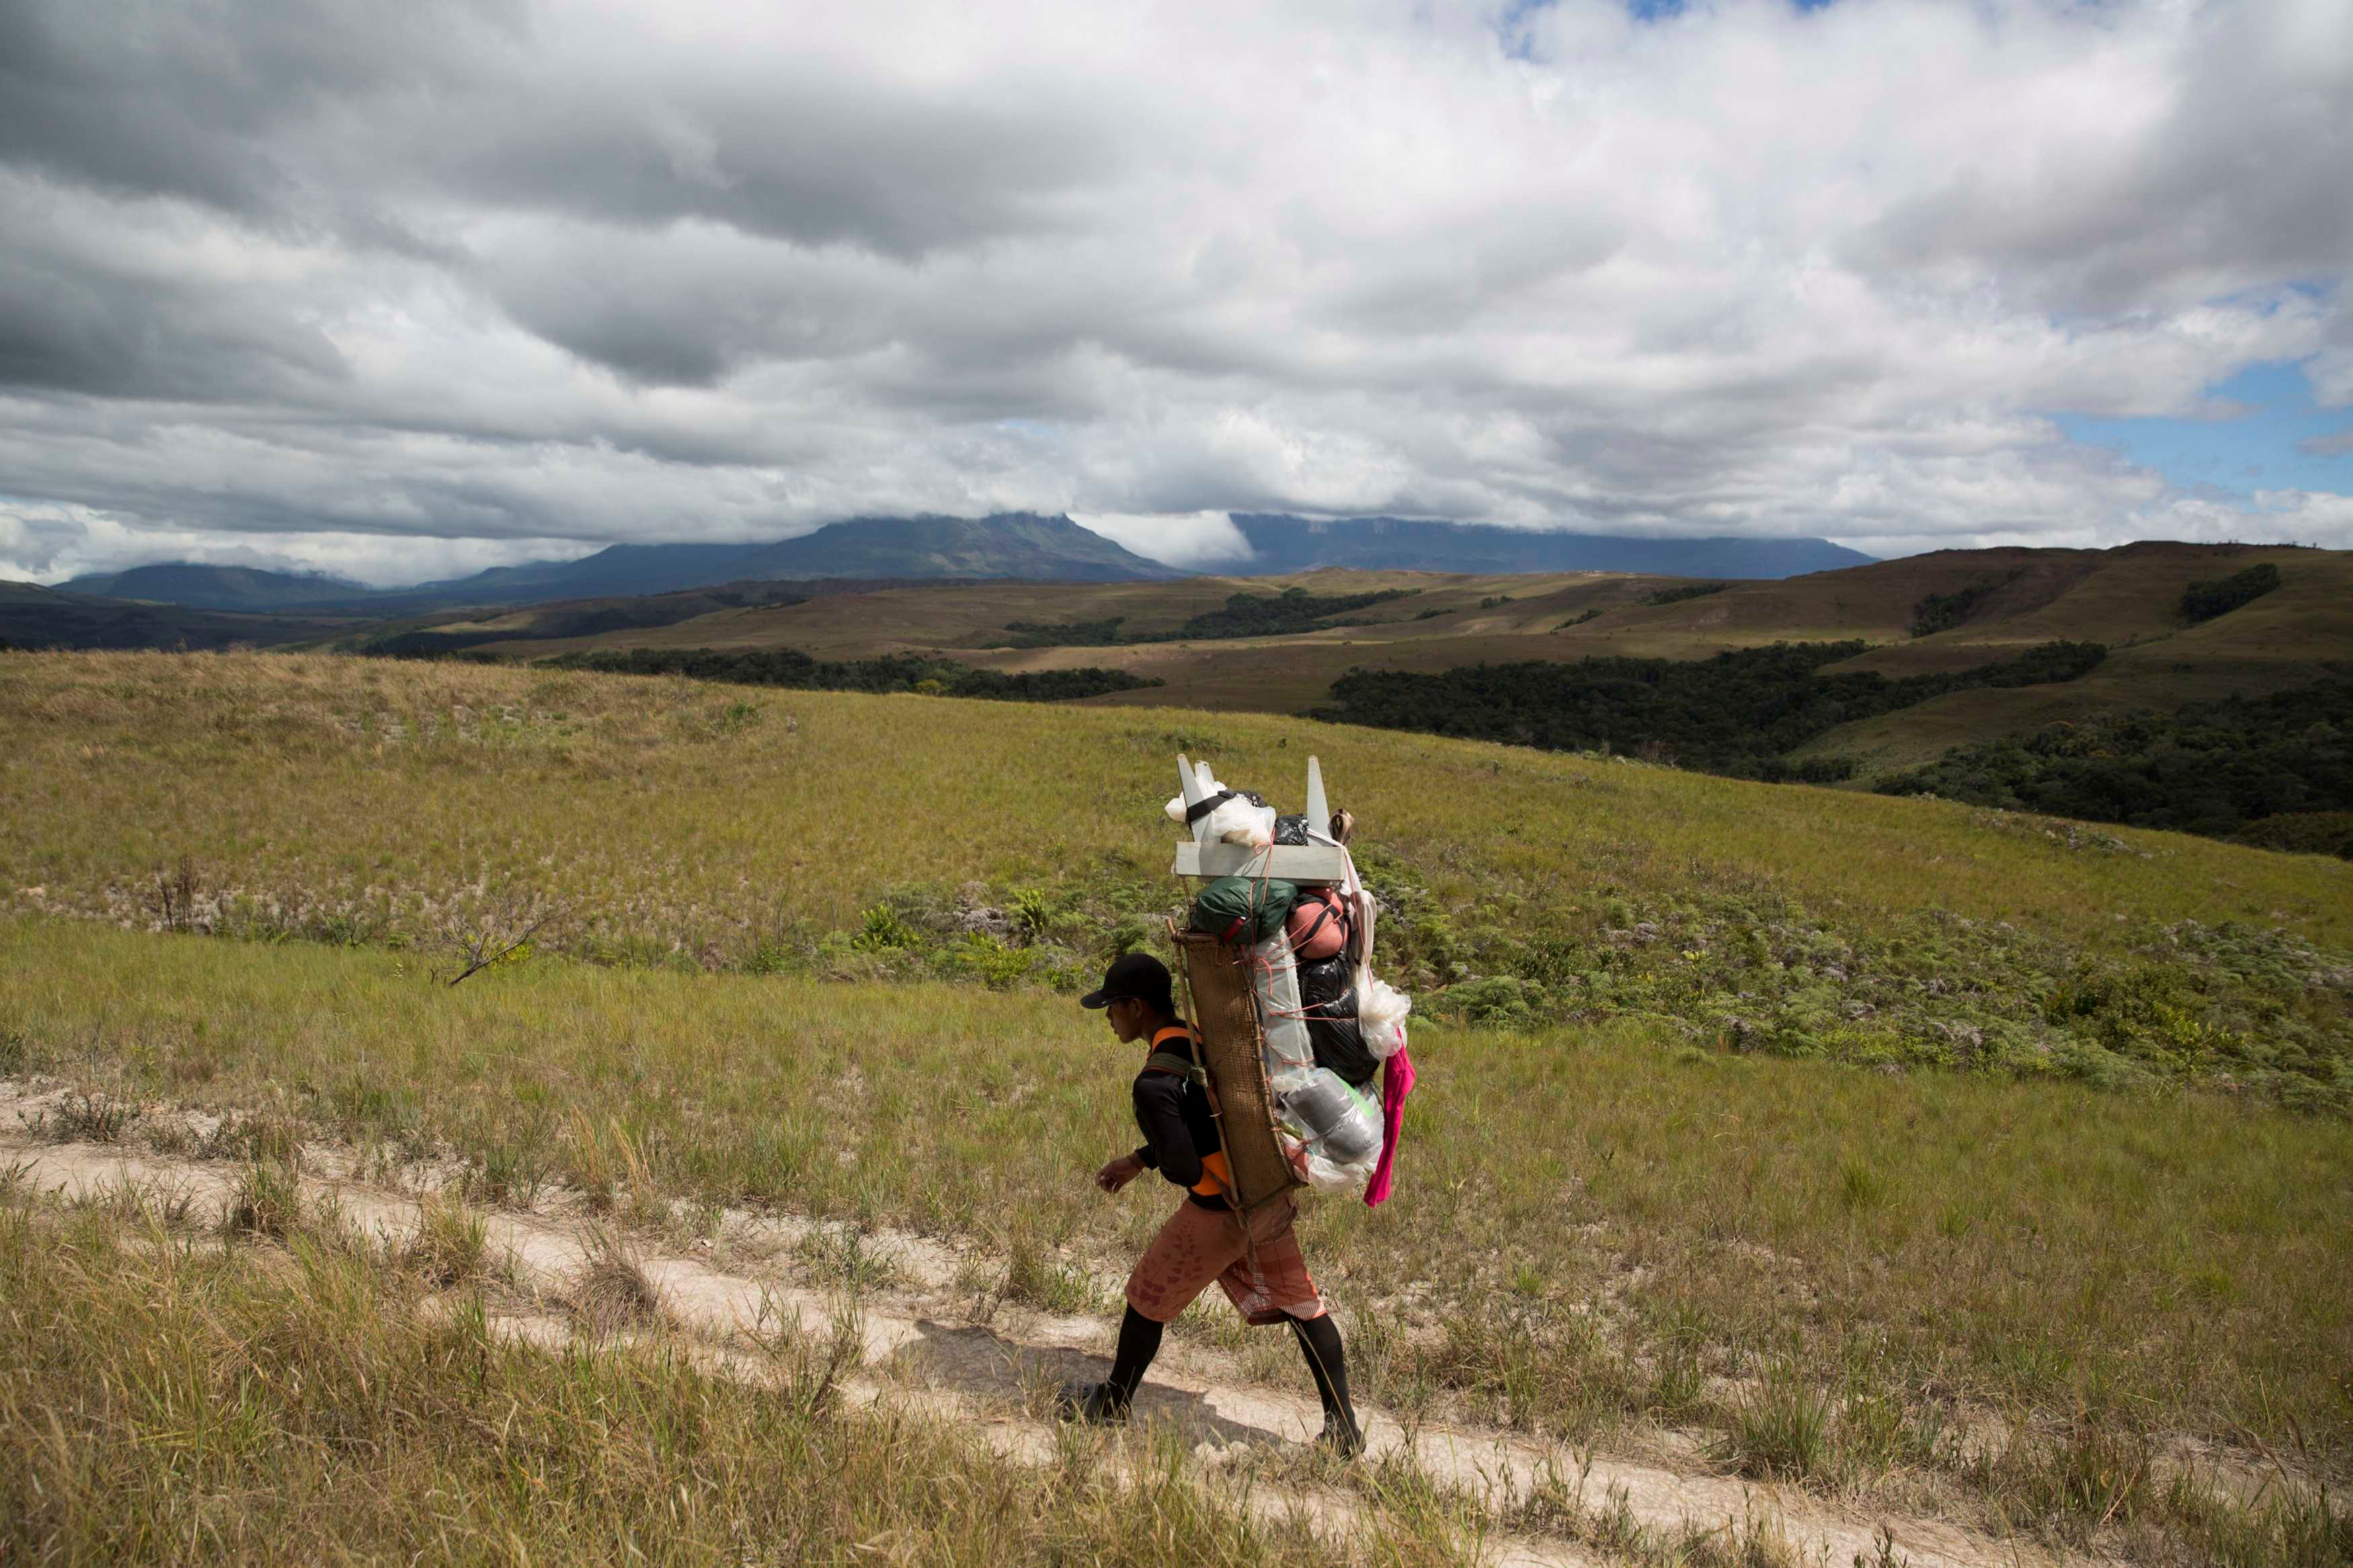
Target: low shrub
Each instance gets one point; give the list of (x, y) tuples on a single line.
[(2219, 596), (1781, 1429)]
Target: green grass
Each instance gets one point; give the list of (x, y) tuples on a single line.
[(1651, 1182), (319, 795), (450, 810), (2129, 599), (166, 1402), (1950, 1243)]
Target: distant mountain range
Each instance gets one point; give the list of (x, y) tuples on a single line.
[(1281, 544), (217, 587), (1009, 545), (1012, 545), (32, 616)]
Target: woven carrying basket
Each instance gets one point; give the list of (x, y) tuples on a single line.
[(1233, 1055)]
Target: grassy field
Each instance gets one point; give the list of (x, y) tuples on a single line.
[(661, 821), (679, 817), (167, 1400), (1595, 1227), (1651, 1188), (2128, 599)]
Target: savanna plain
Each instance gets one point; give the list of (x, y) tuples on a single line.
[(1975, 1185)]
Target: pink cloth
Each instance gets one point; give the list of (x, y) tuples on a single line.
[(1397, 1082)]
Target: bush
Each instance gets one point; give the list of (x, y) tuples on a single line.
[(2221, 595), (2239, 1009), (1285, 614), (1292, 610), (885, 931), (1943, 612), (1780, 1431), (790, 667), (2303, 833), (2213, 768), (1736, 714), (1688, 591)]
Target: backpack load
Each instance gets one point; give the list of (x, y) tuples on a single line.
[(1338, 1115), (1318, 925), (1279, 960), (1242, 911), (1327, 1001), (1221, 816)]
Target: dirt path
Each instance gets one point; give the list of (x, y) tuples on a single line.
[(925, 1346)]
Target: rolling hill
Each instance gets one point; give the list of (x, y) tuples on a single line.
[(1901, 662), (203, 587), (1013, 545), (1882, 688), (2126, 599), (1281, 544), (33, 617), (1794, 1085)]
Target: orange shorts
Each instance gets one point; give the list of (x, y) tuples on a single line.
[(1267, 1280)]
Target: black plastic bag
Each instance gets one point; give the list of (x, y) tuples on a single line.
[(1327, 988), (1339, 1043), (1327, 999)]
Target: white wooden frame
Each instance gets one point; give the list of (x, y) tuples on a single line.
[(1320, 861)]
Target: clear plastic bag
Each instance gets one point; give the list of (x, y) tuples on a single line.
[(1325, 1109), (1274, 981), (1381, 1010), (1238, 822), (1244, 820), (1330, 1132)]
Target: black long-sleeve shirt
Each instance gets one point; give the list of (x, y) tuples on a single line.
[(1173, 1114)]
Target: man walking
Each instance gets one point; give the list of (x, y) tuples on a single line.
[(1264, 1274)]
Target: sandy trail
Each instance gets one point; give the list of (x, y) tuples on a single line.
[(922, 1348)]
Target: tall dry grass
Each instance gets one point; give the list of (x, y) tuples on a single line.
[(1592, 1228), (366, 799), (165, 1402)]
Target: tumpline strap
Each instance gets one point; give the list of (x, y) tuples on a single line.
[(1169, 1061), (1184, 1068)]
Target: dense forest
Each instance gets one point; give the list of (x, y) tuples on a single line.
[(1244, 615), (2274, 769), (896, 672), (2221, 595), (1688, 591), (1943, 612), (1734, 713)]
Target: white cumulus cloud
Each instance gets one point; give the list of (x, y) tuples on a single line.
[(325, 280)]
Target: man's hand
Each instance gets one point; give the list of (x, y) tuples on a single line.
[(1119, 1172)]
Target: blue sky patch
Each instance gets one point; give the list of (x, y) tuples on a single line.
[(2268, 435), (1513, 26)]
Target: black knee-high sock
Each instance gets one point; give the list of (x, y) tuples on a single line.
[(1319, 1341), (1139, 1341)]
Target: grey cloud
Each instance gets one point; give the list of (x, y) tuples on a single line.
[(180, 100), (324, 271), (798, 156), (2224, 190), (79, 330)]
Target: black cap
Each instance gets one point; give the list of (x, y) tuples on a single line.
[(1135, 975)]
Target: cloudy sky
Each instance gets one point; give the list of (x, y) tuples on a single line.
[(405, 289)]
